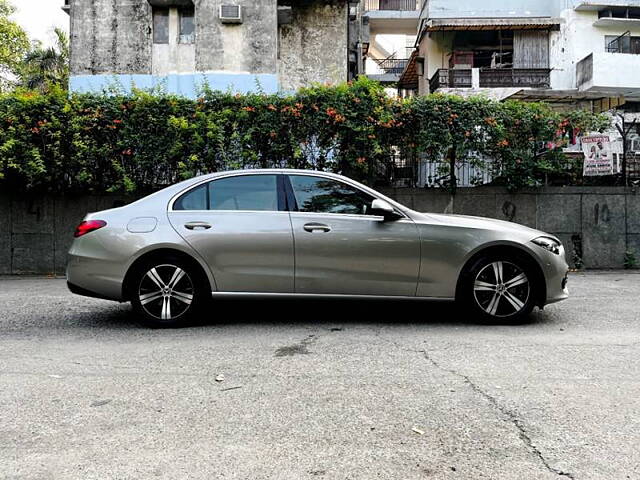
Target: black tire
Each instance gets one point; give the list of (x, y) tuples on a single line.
[(167, 292), (499, 289)]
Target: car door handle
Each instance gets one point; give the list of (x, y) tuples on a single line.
[(197, 226), (320, 227)]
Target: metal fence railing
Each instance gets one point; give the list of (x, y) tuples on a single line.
[(398, 5), (415, 170), (393, 66)]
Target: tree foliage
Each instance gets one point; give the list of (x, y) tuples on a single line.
[(140, 142), (14, 44), (45, 68)]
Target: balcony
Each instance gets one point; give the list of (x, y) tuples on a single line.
[(446, 78), (491, 78), (388, 69), (615, 73), (392, 16), (393, 66), (395, 5), (516, 77), (598, 5)]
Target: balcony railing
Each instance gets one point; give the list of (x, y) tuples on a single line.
[(516, 77), (397, 5), (392, 66), (492, 78), (446, 78)]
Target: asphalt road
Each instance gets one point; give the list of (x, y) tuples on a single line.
[(320, 389)]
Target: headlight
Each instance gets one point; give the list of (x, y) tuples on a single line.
[(548, 243)]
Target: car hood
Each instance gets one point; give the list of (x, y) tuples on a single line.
[(481, 223)]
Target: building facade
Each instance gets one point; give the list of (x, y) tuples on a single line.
[(392, 26), (230, 45), (570, 51)]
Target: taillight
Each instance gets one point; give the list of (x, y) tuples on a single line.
[(88, 226)]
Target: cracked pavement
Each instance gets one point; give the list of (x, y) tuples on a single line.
[(331, 389)]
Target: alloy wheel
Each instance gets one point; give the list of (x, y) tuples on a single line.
[(166, 292), (501, 289)]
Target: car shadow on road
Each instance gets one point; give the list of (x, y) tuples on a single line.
[(330, 313)]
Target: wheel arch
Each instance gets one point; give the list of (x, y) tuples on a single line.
[(508, 249), (162, 253)]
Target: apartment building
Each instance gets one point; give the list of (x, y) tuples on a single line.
[(231, 45), (568, 53), (391, 27), (564, 51)]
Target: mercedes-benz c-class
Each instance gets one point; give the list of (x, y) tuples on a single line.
[(296, 232)]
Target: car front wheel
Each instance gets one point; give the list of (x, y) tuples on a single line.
[(500, 289), (166, 293)]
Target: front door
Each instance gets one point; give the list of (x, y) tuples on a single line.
[(239, 225), (340, 249)]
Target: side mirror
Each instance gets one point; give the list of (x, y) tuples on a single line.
[(383, 209)]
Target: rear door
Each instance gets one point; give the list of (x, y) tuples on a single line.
[(240, 226), (340, 249)]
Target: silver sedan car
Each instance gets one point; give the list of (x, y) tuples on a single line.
[(296, 232)]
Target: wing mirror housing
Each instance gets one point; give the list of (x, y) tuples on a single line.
[(384, 210)]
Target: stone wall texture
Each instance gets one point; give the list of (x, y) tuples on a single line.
[(313, 47), (113, 40), (599, 223)]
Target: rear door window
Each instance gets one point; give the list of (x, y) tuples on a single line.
[(246, 192)]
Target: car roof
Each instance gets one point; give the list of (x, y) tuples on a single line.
[(266, 171), (160, 198), (167, 193)]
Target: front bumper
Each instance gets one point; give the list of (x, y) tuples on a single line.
[(556, 270)]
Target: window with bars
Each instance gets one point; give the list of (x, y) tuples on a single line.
[(622, 44), (160, 25), (187, 25), (162, 19)]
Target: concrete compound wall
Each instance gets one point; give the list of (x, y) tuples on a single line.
[(36, 233)]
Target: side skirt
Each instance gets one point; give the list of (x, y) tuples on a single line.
[(327, 295)]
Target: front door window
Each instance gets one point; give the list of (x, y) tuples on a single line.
[(323, 195)]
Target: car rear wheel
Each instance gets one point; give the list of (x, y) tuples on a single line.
[(499, 289), (167, 292)]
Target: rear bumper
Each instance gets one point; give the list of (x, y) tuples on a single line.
[(94, 277), (77, 290)]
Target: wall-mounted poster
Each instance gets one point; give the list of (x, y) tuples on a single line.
[(598, 156)]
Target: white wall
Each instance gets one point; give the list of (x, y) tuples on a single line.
[(578, 37), (615, 71)]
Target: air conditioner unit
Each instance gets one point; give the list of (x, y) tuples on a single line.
[(230, 13)]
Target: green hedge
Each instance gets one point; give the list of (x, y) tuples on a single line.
[(137, 143)]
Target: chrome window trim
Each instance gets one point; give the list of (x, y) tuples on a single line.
[(355, 216), (241, 173), (220, 177), (229, 211)]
